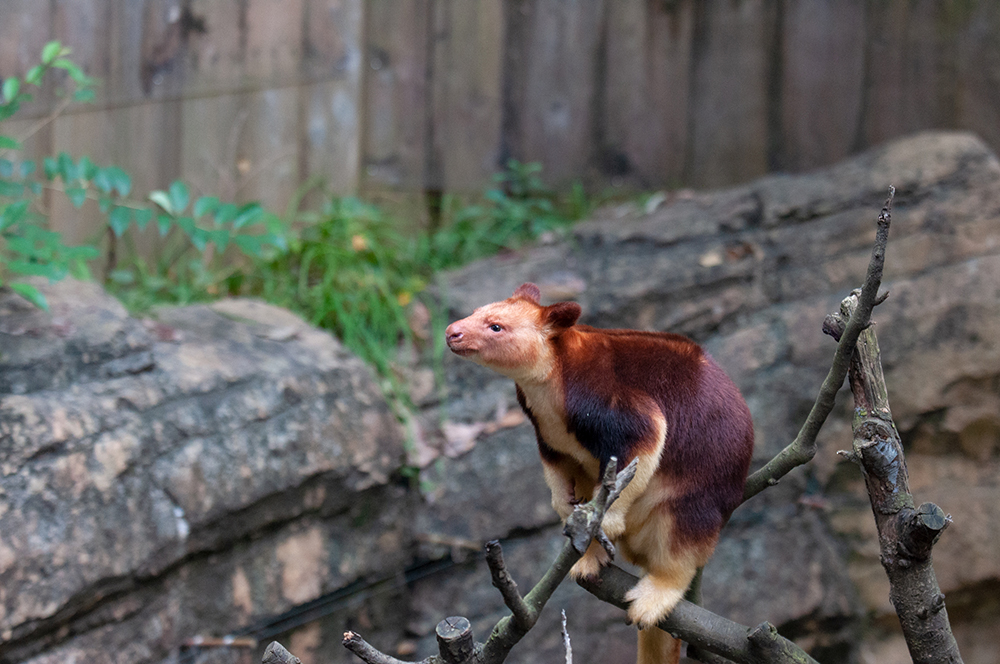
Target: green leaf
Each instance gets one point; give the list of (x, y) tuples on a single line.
[(51, 168), (220, 238), (11, 189), (87, 169), (84, 252), (186, 224), (104, 203), (142, 217), (248, 214), (51, 51), (13, 213), (31, 294), (121, 180), (11, 87), (162, 199), (123, 277), (84, 96), (52, 271), (164, 223), (102, 180), (205, 205), (77, 196), (250, 244), (8, 143), (6, 168), (225, 214), (119, 220), (67, 169), (34, 75), (199, 237), (179, 196), (27, 168)]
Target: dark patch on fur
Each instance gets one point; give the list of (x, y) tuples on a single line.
[(609, 375)]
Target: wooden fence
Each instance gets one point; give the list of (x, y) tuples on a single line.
[(251, 98)]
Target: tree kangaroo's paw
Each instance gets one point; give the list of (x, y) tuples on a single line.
[(591, 563), (651, 600)]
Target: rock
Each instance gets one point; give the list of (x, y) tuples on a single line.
[(226, 469), (134, 455), (751, 272)]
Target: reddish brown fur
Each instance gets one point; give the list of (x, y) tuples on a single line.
[(592, 394)]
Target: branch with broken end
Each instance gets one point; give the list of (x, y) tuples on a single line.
[(906, 534), (703, 629), (803, 448), (455, 641)]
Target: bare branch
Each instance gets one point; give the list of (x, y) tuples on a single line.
[(566, 644), (906, 534), (275, 653), (504, 582), (803, 448), (364, 650), (456, 645), (704, 629), (454, 637)]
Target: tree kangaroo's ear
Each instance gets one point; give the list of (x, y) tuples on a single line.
[(529, 291), (562, 314)]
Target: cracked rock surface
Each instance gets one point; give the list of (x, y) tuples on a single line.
[(129, 448)]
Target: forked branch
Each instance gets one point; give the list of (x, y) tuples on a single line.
[(455, 640), (906, 533), (803, 448)]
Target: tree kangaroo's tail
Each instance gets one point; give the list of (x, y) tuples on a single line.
[(658, 647)]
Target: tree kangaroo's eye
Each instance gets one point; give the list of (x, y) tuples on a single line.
[(495, 327)]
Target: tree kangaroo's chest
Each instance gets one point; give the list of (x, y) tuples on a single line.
[(549, 412)]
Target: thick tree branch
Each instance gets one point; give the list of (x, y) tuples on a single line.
[(455, 641), (275, 653), (803, 448), (704, 629), (364, 650), (906, 534)]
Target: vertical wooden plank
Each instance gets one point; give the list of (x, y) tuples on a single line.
[(394, 94), (910, 81), (728, 111), (555, 120), (822, 79), (646, 92), (330, 115), (85, 27), (217, 153), (977, 98), (468, 84)]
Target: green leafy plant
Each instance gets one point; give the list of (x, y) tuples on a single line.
[(350, 271), (27, 247), (205, 238), (208, 246), (519, 209)]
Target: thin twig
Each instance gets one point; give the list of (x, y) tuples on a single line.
[(504, 582), (803, 448), (566, 644), (353, 642), (48, 119)]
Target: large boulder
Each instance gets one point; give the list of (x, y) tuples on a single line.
[(154, 471), (751, 272)]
